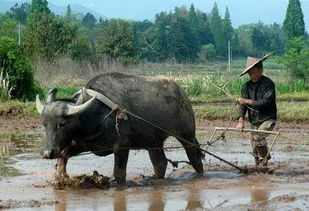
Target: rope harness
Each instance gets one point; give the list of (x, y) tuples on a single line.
[(122, 114)]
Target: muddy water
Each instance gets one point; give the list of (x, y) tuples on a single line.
[(25, 178)]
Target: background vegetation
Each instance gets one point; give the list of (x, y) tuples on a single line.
[(186, 44)]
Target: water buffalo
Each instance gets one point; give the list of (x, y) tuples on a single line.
[(75, 125)]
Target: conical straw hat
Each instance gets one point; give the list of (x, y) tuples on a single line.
[(251, 62)]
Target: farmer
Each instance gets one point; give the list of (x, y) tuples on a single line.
[(259, 100)]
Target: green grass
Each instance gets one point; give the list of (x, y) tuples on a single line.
[(28, 108), (67, 91), (18, 108), (215, 111), (292, 87), (294, 97), (292, 111), (287, 111), (212, 85), (63, 92)]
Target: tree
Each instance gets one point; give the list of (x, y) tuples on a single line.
[(69, 16), (147, 40), (79, 47), (227, 30), (258, 39), (141, 26), (19, 12), (39, 7), (235, 45), (216, 29), (183, 42), (200, 27), (161, 42), (47, 36), (294, 24), (259, 42), (193, 20), (117, 42), (89, 20), (14, 63), (208, 52), (60, 36), (68, 13), (296, 58), (37, 28), (203, 32), (8, 28)]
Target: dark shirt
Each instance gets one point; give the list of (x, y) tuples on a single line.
[(263, 96)]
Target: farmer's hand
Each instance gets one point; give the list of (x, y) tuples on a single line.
[(240, 125), (242, 101)]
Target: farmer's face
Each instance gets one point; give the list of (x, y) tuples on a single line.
[(255, 74)]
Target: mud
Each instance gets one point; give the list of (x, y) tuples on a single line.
[(83, 181), (9, 204), (27, 181)]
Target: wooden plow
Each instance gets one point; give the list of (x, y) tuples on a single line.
[(276, 134)]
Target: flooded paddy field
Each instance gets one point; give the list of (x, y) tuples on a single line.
[(26, 180)]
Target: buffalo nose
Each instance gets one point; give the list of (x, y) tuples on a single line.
[(48, 154)]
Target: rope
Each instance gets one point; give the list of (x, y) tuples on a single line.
[(184, 140), (121, 111), (133, 148)]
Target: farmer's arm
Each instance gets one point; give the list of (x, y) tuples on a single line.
[(242, 111), (268, 96)]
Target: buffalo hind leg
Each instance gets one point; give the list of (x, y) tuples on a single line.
[(194, 154), (120, 165), (158, 161)]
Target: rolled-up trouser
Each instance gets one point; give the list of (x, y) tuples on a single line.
[(258, 140)]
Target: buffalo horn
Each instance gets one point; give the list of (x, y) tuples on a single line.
[(74, 110), (39, 105)]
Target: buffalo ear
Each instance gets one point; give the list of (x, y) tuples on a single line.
[(39, 105), (51, 96)]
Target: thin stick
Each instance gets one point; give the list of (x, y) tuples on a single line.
[(230, 96), (271, 147), (210, 140), (223, 90), (249, 130)]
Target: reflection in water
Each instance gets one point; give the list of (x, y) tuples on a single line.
[(258, 195), (12, 144), (156, 202), (194, 201), (62, 202), (4, 150), (120, 201)]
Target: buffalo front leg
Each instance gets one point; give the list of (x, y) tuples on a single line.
[(194, 154), (120, 166), (158, 161), (61, 170)]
